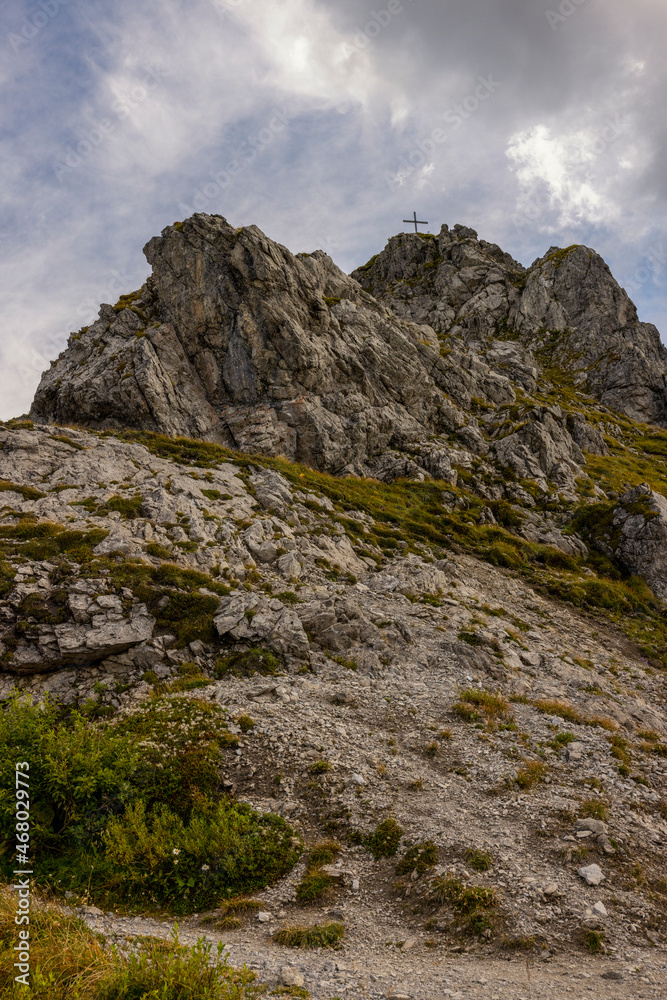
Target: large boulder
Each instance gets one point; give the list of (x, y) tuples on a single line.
[(45, 628), (640, 536)]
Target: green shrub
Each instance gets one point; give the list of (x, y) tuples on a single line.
[(384, 842), (418, 858), (154, 856), (109, 799)]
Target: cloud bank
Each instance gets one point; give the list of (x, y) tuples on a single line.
[(325, 123)]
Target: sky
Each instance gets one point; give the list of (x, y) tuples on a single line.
[(325, 123)]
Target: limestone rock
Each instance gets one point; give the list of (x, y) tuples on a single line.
[(57, 629), (591, 874), (234, 339), (640, 536), (567, 306), (258, 620)]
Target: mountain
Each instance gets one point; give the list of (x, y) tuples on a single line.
[(369, 571)]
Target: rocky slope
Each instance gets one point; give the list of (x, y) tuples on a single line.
[(416, 681), (471, 642)]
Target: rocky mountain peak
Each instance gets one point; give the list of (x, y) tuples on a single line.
[(404, 368)]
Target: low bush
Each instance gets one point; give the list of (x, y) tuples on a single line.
[(129, 810), (383, 843)]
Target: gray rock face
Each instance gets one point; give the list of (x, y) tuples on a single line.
[(640, 536), (236, 340), (58, 629), (542, 449), (566, 310), (252, 619)]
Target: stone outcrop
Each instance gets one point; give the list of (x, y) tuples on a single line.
[(52, 628), (236, 340), (639, 540), (566, 311)]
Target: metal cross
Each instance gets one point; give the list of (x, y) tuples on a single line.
[(416, 222)]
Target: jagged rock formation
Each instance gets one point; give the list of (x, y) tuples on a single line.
[(565, 310), (639, 536), (236, 340)]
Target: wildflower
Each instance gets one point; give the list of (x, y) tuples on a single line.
[(176, 850), (204, 868)]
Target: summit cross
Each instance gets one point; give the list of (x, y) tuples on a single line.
[(416, 222)]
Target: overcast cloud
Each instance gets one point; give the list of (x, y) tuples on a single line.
[(326, 123)]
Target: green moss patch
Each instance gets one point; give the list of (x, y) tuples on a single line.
[(47, 540)]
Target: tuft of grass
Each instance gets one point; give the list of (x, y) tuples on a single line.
[(619, 751), (316, 936), (320, 767), (594, 808), (593, 941), (241, 905), (324, 853), (474, 905), (383, 843), (314, 886), (246, 663), (68, 961), (562, 709), (158, 551), (530, 774), (245, 723), (27, 492), (475, 704), (418, 858), (480, 861)]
